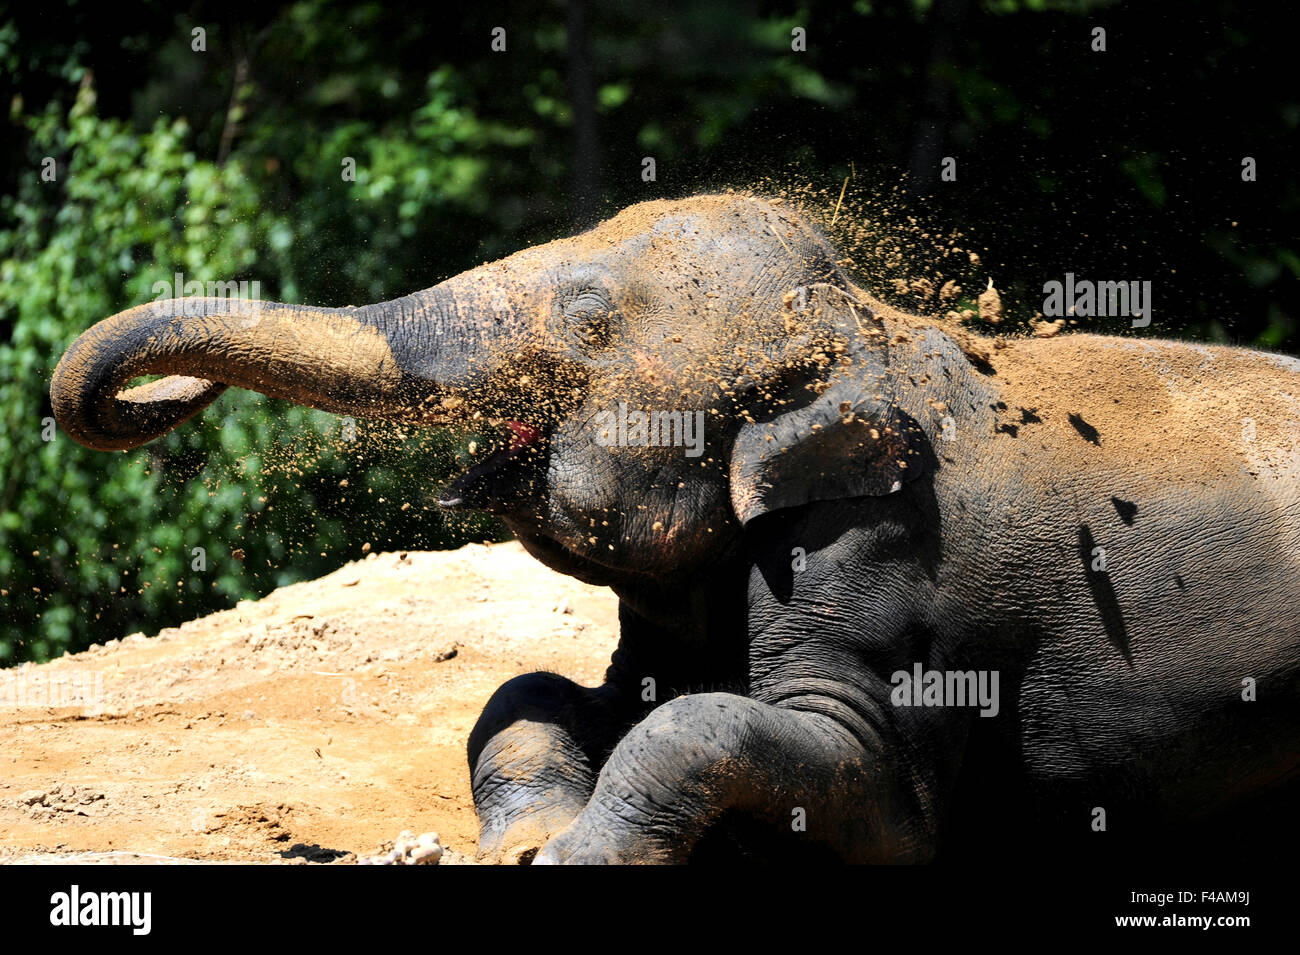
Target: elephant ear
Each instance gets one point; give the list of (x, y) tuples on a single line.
[(839, 434)]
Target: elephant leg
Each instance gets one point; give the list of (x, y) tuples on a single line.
[(539, 746), (534, 755), (697, 758)]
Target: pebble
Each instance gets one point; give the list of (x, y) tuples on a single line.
[(990, 304), (408, 849)]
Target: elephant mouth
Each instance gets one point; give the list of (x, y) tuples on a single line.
[(504, 476)]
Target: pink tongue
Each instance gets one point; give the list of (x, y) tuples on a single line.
[(521, 435)]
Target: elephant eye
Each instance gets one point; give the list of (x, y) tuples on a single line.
[(589, 313), (585, 304)]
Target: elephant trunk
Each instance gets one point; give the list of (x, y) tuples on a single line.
[(393, 360)]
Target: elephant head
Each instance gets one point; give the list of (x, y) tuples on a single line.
[(660, 380)]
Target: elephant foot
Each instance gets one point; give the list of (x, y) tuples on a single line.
[(585, 842), (716, 763), (533, 762), (517, 839)]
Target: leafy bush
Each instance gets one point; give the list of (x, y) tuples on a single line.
[(93, 545)]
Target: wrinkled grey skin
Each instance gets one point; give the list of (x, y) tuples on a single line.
[(830, 535)]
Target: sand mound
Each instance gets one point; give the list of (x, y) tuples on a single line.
[(308, 727)]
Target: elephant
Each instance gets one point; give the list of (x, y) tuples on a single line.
[(890, 591)]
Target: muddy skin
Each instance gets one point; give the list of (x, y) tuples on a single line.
[(1088, 518)]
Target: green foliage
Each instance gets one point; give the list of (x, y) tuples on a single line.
[(92, 545), (83, 246)]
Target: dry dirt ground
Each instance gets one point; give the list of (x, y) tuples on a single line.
[(310, 726)]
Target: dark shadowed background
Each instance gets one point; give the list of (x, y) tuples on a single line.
[(226, 163)]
